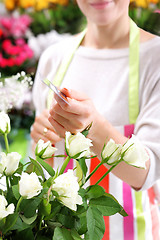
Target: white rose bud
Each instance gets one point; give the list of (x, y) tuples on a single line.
[(113, 151), (29, 185), (44, 149), (77, 144), (4, 210), (5, 126), (9, 162), (135, 154), (67, 187)]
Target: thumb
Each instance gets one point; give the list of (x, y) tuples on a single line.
[(74, 94)]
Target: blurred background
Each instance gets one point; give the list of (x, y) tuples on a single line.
[(27, 27)]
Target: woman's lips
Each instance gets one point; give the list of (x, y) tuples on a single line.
[(101, 5)]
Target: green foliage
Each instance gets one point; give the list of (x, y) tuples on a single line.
[(45, 216), (63, 19), (146, 18)]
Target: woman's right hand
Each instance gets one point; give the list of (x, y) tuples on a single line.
[(42, 129)]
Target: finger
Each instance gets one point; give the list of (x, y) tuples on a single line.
[(42, 121), (70, 93), (57, 109), (37, 136), (60, 130), (49, 135), (75, 107), (69, 124)]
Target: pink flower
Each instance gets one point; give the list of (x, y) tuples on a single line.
[(157, 11), (20, 41), (13, 26)]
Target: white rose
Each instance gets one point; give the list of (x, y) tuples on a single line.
[(9, 162), (76, 144), (4, 210), (29, 185), (113, 150), (44, 149), (136, 154), (67, 187), (5, 126)]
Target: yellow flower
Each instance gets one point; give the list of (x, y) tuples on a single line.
[(61, 2), (10, 4), (144, 3), (154, 1), (27, 3), (41, 4)]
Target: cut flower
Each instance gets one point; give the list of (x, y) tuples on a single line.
[(111, 152), (67, 187), (4, 123), (4, 210), (44, 149), (29, 185), (9, 162), (77, 144), (135, 153)]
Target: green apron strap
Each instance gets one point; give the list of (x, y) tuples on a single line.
[(133, 73), (64, 66)]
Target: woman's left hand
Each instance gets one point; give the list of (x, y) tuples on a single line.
[(74, 117)]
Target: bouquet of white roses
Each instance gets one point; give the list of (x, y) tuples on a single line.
[(58, 207)]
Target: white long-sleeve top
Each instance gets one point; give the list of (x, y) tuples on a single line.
[(103, 75)]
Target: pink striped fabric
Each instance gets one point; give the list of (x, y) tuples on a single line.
[(128, 222)]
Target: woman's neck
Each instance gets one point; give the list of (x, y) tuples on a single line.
[(115, 35)]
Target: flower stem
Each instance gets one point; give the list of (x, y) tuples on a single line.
[(19, 202), (66, 161), (90, 175), (7, 182), (108, 172), (6, 143), (40, 223)]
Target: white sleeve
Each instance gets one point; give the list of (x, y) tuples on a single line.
[(147, 128)]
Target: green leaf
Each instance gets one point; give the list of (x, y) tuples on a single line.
[(46, 166), (15, 190), (19, 169), (14, 180), (75, 235), (82, 193), (48, 182), (26, 234), (28, 220), (106, 205), (10, 221), (45, 207), (83, 165), (62, 234), (86, 130), (66, 220), (86, 236), (39, 168), (94, 191), (2, 223), (56, 207), (95, 224), (82, 224), (19, 225), (29, 206), (122, 212)]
